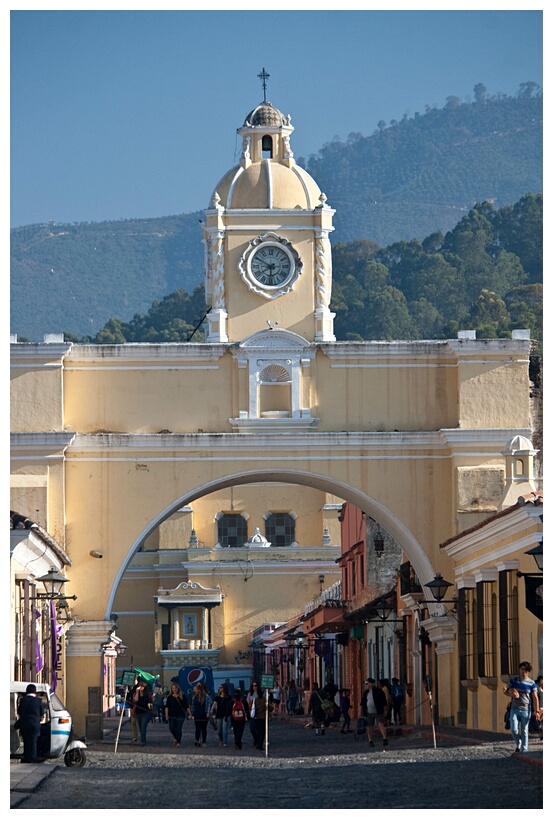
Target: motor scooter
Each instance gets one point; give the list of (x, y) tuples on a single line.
[(56, 732)]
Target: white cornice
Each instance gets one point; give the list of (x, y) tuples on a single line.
[(359, 445), (51, 445), (149, 355), (510, 525), (489, 574)]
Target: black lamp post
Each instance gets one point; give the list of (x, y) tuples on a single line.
[(53, 582), (537, 554), (439, 587)]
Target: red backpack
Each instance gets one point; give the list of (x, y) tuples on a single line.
[(238, 710)]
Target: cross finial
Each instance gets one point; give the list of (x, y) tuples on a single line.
[(263, 76)]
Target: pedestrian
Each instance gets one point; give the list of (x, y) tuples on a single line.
[(159, 710), (345, 706), (132, 709), (539, 683), (200, 708), (315, 708), (30, 710), (221, 711), (524, 704), (277, 694), (143, 705), (384, 685), (292, 698), (397, 700), (239, 717), (373, 708), (250, 699), (261, 706), (176, 711)]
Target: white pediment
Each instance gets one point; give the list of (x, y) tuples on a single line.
[(274, 339)]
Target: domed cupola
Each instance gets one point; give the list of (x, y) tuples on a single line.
[(267, 175), (265, 114)]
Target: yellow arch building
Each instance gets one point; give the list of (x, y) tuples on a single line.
[(146, 454)]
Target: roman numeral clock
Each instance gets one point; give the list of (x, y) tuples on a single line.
[(270, 265)]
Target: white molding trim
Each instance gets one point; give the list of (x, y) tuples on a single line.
[(490, 574)]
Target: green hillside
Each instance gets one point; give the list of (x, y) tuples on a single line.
[(408, 180)]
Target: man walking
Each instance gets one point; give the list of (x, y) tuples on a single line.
[(30, 710), (524, 704), (373, 708)]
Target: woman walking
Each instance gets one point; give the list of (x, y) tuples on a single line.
[(222, 706), (238, 718), (143, 704), (201, 706), (250, 699), (292, 697), (176, 711)]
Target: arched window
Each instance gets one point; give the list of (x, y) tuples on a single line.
[(232, 530), (280, 529), (267, 147)]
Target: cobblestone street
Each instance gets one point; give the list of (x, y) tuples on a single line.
[(302, 771)]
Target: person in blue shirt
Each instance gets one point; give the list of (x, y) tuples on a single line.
[(524, 703)]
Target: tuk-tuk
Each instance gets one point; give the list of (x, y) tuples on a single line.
[(56, 735)]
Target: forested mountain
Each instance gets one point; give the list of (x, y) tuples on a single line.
[(421, 174), (484, 275), (411, 179)]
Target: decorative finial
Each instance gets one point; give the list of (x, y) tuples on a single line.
[(263, 76)]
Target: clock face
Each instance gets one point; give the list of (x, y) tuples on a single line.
[(271, 265)]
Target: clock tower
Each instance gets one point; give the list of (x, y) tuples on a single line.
[(266, 233)]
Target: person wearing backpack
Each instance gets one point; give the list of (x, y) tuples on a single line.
[(238, 718)]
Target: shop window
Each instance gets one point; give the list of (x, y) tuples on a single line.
[(232, 530), (280, 529)]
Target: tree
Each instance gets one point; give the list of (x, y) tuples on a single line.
[(479, 93), (388, 316), (489, 317)]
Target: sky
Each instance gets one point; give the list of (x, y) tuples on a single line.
[(133, 114)]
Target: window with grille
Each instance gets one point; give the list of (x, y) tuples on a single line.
[(508, 623), (467, 634), (232, 530), (486, 606), (280, 529)]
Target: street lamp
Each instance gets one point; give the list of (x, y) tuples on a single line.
[(53, 582), (439, 587), (537, 554)]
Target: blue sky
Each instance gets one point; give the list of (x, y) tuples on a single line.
[(122, 114)]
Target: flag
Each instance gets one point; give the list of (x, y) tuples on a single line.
[(143, 675), (39, 663)]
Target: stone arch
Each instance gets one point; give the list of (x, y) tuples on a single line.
[(414, 551)]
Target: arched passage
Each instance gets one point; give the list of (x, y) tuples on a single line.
[(354, 495)]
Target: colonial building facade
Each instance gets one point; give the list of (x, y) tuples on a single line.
[(196, 488)]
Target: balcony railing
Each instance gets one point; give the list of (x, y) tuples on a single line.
[(331, 595)]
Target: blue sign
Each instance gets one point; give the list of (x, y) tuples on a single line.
[(190, 675)]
